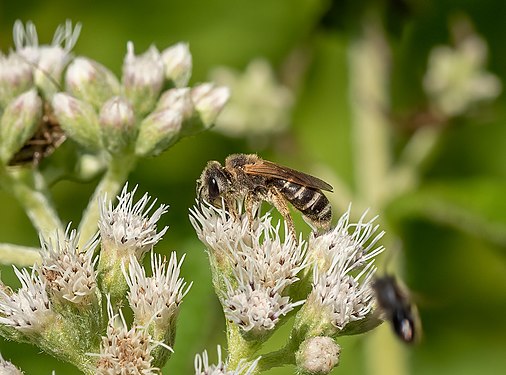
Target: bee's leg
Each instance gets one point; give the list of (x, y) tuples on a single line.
[(278, 201), (231, 207), (251, 202)]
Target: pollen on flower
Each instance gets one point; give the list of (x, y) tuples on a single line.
[(29, 309), (156, 298), (128, 226), (125, 351), (68, 270), (203, 367)]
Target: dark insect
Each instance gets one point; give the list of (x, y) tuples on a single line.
[(396, 304), (255, 180), (48, 137)]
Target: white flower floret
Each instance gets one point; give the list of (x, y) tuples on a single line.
[(68, 270), (128, 226), (157, 297), (202, 366), (125, 351), (29, 309)]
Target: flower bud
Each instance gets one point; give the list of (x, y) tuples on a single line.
[(143, 78), (209, 100), (48, 73), (78, 119), (178, 100), (117, 124), (317, 355), (91, 82), (19, 122), (177, 60), (158, 131), (15, 78)]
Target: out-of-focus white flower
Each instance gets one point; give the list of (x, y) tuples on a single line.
[(156, 298), (456, 77), (117, 124), (143, 78), (202, 366), (88, 80), (68, 270), (259, 105), (209, 100), (19, 122), (48, 61), (29, 309), (177, 60), (15, 77)]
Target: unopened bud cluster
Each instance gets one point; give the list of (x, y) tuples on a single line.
[(141, 113)]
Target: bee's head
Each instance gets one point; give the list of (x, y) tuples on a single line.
[(213, 184)]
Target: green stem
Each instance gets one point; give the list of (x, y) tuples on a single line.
[(368, 62), (35, 202), (114, 178), (21, 256), (281, 357), (369, 72), (238, 347)]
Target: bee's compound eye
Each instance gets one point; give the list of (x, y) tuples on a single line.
[(214, 190)]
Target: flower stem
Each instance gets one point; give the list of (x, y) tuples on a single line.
[(281, 357), (114, 178), (34, 201), (21, 256), (369, 72), (238, 347)]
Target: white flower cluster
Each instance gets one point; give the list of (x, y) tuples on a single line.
[(69, 271), (129, 226), (344, 270), (157, 297), (259, 263)]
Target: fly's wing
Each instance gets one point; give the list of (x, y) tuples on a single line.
[(273, 170)]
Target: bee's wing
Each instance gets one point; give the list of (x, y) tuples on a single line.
[(273, 170)]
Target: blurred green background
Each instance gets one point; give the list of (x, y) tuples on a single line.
[(452, 227)]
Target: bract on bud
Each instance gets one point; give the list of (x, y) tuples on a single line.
[(209, 100), (78, 119), (19, 122), (177, 61), (117, 124), (90, 81), (158, 131), (15, 77), (143, 78), (178, 99)]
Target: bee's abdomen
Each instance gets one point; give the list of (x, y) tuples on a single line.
[(311, 202)]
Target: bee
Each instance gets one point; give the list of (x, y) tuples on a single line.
[(396, 304), (47, 138), (252, 179)]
